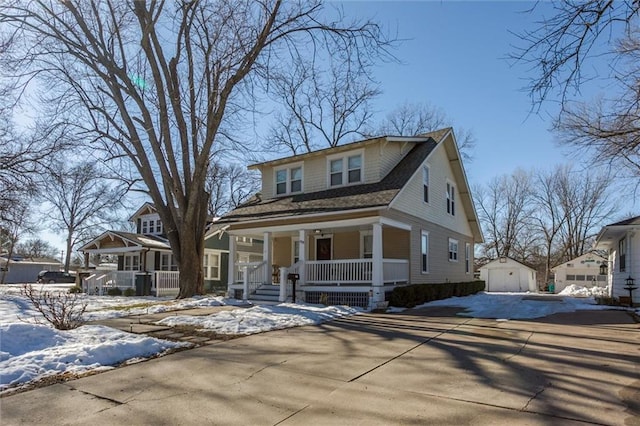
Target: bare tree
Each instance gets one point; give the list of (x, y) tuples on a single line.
[(561, 50), (584, 202), (229, 187), (157, 83), (504, 209), (13, 226), (35, 248), (321, 107), (411, 119), (82, 200)]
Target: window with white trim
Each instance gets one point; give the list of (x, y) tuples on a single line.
[(346, 170), (151, 226), (424, 251), (467, 258), (366, 244), (288, 180), (131, 262), (425, 184), (167, 262), (211, 264), (451, 199), (453, 250), (295, 250)]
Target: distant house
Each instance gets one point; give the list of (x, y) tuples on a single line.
[(145, 259), (508, 275), (20, 269), (621, 240), (582, 271), (354, 221)]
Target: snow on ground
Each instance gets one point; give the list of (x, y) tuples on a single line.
[(30, 351), (579, 291), (259, 319)]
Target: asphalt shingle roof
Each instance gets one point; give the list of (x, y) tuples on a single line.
[(378, 194), (630, 221)]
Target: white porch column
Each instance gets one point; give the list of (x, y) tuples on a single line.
[(231, 278), (245, 283), (266, 257), (377, 276), (302, 256), (283, 284)]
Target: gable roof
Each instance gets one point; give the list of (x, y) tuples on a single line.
[(610, 234), (129, 240), (590, 257), (345, 198), (508, 260), (146, 208)]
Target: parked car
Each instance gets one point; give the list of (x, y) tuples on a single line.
[(52, 277)]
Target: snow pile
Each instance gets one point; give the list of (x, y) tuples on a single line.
[(579, 291), (259, 319), (31, 352)]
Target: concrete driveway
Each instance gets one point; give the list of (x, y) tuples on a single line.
[(420, 367)]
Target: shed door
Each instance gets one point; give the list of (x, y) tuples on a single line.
[(504, 280)]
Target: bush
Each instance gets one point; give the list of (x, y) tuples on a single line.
[(115, 291), (129, 292), (417, 294), (75, 290), (62, 310)]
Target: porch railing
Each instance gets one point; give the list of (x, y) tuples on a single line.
[(167, 283), (354, 271)]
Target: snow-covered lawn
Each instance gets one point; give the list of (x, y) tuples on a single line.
[(31, 351)]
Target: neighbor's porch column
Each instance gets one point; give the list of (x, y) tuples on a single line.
[(302, 256), (377, 278), (267, 258), (232, 264)]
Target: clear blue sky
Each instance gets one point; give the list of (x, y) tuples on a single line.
[(455, 58)]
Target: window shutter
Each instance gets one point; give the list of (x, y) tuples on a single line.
[(120, 263)]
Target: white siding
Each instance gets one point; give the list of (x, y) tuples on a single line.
[(508, 275), (632, 268)]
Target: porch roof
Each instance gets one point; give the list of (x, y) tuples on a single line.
[(346, 198), (128, 241)]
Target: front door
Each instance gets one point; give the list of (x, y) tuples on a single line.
[(323, 249)]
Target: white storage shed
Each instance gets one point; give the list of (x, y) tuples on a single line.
[(508, 275)]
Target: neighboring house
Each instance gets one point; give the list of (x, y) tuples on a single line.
[(582, 271), (621, 240), (508, 275), (145, 259), (20, 269), (356, 220)]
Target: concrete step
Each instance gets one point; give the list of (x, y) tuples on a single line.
[(266, 297)]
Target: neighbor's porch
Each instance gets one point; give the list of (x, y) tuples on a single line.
[(348, 260)]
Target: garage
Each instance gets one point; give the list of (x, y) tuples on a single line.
[(508, 275)]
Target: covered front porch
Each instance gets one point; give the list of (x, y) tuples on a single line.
[(351, 261)]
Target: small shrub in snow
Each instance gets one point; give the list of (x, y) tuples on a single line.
[(129, 292), (75, 289), (62, 310), (115, 291)]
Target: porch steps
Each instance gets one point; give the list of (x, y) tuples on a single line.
[(266, 293)]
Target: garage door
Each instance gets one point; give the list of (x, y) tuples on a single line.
[(504, 280)]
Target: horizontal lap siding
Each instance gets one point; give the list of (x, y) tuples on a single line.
[(440, 269)]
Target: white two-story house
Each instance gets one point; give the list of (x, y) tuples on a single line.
[(356, 220)]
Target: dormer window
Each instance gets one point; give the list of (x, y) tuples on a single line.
[(289, 180), (345, 170), (151, 227)]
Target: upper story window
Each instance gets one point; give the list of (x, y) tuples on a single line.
[(151, 226), (451, 199), (345, 170), (425, 184), (622, 254), (289, 180)]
